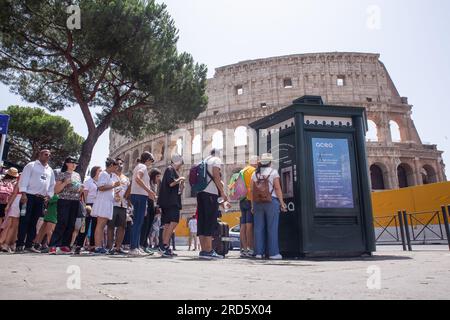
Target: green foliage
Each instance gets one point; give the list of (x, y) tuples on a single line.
[(123, 61), (32, 129)]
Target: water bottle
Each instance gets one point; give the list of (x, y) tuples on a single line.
[(23, 210)]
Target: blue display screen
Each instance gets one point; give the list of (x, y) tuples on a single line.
[(332, 173)]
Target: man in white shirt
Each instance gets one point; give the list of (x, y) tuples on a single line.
[(208, 206), (36, 184)]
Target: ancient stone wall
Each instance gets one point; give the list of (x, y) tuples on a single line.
[(244, 92)]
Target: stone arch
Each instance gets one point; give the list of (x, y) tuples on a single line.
[(395, 131), (372, 133), (197, 144), (429, 174), (405, 175), (240, 136), (217, 140), (378, 176)]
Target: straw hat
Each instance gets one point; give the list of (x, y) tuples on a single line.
[(253, 160), (13, 172), (266, 158)]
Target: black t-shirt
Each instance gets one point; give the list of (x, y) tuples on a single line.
[(168, 196)]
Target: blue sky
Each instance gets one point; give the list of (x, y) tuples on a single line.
[(412, 37)]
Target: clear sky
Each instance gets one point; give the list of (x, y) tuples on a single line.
[(412, 36)]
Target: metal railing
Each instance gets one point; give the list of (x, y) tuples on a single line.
[(411, 228)]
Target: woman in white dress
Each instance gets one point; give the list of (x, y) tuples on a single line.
[(104, 202)]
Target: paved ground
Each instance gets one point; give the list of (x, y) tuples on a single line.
[(422, 274)]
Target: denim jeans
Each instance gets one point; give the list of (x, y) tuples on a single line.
[(266, 221), (139, 203), (27, 223)]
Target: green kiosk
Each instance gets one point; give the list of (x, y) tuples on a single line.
[(320, 154)]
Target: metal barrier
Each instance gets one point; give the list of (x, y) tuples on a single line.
[(411, 228)]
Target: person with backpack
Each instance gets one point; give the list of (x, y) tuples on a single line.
[(245, 205), (206, 179), (169, 201), (267, 202)]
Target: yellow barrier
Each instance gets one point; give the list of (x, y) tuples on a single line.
[(385, 203)]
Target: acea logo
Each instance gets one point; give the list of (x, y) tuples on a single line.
[(324, 145)]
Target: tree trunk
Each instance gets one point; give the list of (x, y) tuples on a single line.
[(86, 153)]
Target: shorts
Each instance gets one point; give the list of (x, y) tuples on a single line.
[(119, 218), (170, 215), (208, 209), (51, 217), (14, 210), (246, 211), (78, 223), (2, 210)]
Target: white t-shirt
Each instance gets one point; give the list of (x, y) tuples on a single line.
[(91, 187), (193, 225), (124, 183), (213, 162), (135, 188), (268, 172)]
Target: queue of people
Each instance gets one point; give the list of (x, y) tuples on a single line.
[(112, 214)]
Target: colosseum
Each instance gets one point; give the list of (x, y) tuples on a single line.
[(247, 91)]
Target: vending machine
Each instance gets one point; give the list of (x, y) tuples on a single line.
[(320, 153)]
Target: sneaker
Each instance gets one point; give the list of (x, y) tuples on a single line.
[(10, 250), (100, 251), (29, 250), (36, 249), (112, 252), (121, 252), (244, 253), (276, 257), (44, 250), (259, 257), (77, 250), (216, 256), (205, 255), (250, 253), (65, 250), (173, 253), (136, 253), (20, 249), (167, 253), (52, 251), (149, 251)]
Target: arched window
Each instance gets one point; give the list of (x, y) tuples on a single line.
[(404, 175), (376, 177), (217, 140), (372, 134), (428, 175), (197, 144), (180, 146), (240, 137), (395, 131)]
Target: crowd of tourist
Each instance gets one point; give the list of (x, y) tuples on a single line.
[(53, 211)]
